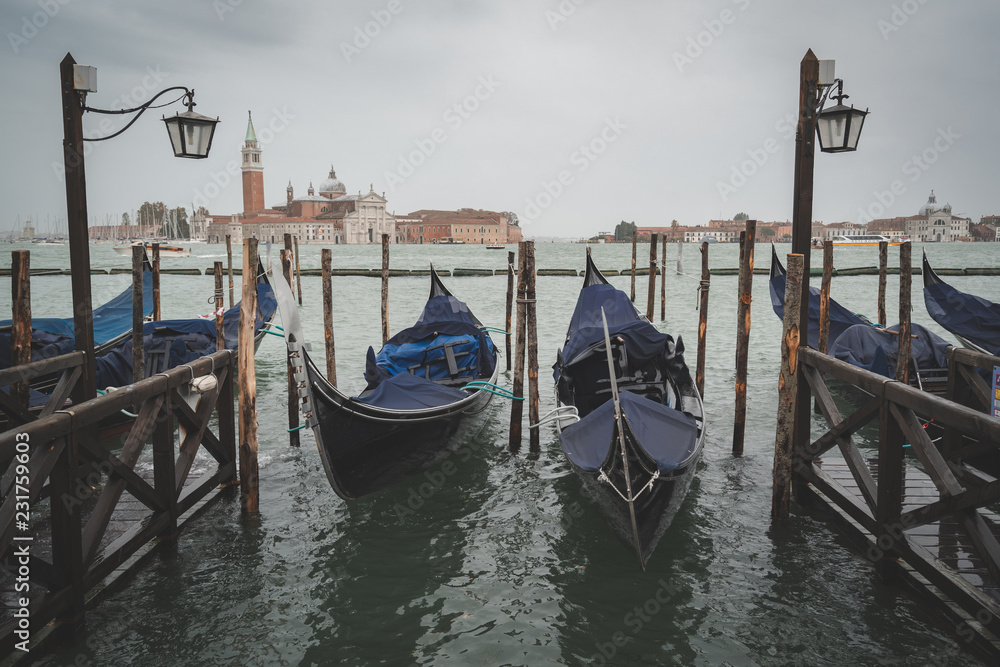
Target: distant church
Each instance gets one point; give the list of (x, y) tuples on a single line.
[(330, 216)]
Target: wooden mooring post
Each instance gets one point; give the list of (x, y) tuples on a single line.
[(331, 353), (248, 381), (905, 287), (703, 287), (510, 303), (298, 270), (293, 393), (824, 296), (745, 297), (385, 288), (680, 257), (663, 278), (20, 330), (516, 406), (531, 324), (784, 442), (633, 266), (229, 261), (157, 313), (138, 357), (883, 266), (220, 332), (651, 295)]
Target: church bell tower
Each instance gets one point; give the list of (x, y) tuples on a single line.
[(253, 172)]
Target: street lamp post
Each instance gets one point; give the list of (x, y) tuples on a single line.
[(190, 136), (838, 131)]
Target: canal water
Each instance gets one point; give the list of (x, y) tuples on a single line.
[(504, 561)]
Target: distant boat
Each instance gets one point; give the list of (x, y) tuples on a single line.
[(709, 239), (866, 240), (47, 242), (165, 250), (496, 246)]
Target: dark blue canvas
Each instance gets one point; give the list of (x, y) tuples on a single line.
[(965, 315), (666, 435), (409, 392), (876, 349)]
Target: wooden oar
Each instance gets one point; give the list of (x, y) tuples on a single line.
[(621, 440)]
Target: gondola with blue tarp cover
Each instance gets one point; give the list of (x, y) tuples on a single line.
[(634, 442), (973, 319), (418, 406)]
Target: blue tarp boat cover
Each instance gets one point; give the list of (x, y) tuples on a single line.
[(966, 315), (420, 349), (409, 392), (841, 319), (111, 319), (179, 342), (668, 436), (586, 329), (875, 349)]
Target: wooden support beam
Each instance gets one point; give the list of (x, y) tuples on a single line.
[(510, 303), (632, 296), (298, 270), (905, 286), (229, 262), (385, 288), (852, 456), (890, 485), (293, 392), (784, 443), (651, 293), (20, 330), (824, 297), (744, 299), (157, 313), (326, 262), (531, 324), (703, 287), (220, 332), (248, 381), (138, 349), (883, 269), (227, 415), (517, 406), (663, 278)]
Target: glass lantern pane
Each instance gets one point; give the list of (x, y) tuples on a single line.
[(173, 131)]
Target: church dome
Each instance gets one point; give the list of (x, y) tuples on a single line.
[(332, 185), (930, 206)]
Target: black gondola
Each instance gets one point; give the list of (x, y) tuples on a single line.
[(635, 442), (429, 391), (856, 340), (972, 319)]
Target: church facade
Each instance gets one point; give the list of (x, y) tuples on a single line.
[(328, 215)]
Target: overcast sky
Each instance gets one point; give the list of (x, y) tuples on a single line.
[(575, 114)]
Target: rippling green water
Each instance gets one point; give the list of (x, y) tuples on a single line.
[(505, 561)]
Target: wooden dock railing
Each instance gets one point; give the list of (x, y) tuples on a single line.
[(62, 487)]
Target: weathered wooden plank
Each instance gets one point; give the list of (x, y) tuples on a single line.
[(62, 391), (43, 367)]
